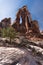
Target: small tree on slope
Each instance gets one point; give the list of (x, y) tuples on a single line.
[(9, 33)]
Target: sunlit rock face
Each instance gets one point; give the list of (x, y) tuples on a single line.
[(16, 56), (5, 23)]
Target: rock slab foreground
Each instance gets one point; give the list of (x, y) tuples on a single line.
[(16, 56)]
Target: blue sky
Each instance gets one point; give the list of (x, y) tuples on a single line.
[(8, 8)]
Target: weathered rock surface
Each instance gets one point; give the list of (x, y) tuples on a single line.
[(6, 22), (9, 55), (16, 56), (35, 26), (27, 52)]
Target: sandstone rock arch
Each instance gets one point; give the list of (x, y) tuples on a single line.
[(26, 18)]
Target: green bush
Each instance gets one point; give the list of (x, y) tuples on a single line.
[(9, 33)]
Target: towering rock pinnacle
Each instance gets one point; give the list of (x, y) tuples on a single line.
[(27, 23), (25, 15)]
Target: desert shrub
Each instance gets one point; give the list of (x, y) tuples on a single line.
[(9, 33)]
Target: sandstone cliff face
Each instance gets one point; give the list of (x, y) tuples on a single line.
[(27, 23)]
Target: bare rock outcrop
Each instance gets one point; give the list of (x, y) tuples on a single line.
[(5, 23), (35, 26), (16, 56), (26, 52)]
